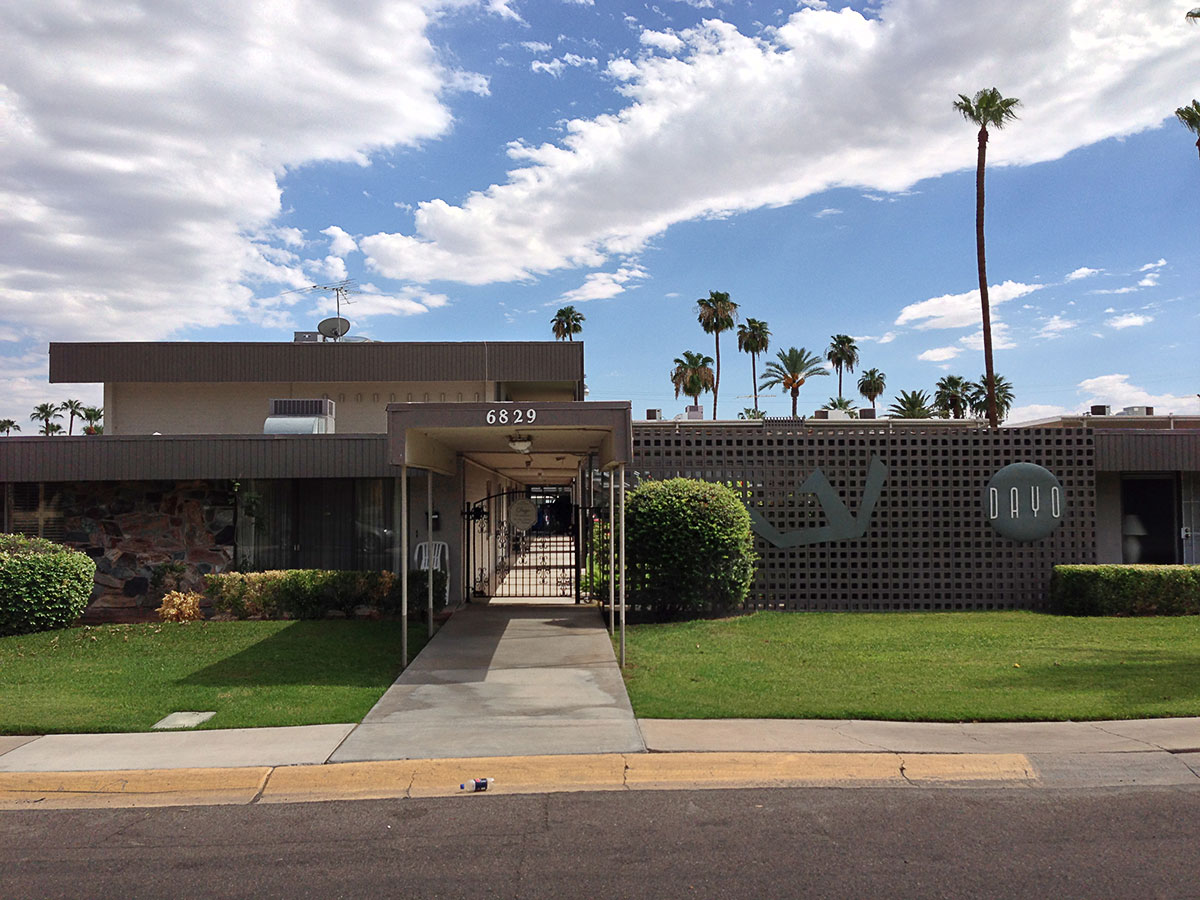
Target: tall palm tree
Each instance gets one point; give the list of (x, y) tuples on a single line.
[(754, 338), (93, 415), (871, 384), (795, 366), (952, 397), (8, 426), (843, 353), (51, 428), (692, 375), (1189, 116), (567, 322), (1003, 393), (73, 408), (716, 313), (911, 405), (987, 107), (44, 413)]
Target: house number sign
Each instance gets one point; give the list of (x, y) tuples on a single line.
[(515, 416), (1024, 502)]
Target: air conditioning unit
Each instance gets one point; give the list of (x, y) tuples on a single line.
[(838, 414), (1100, 410), (300, 416), (820, 414), (652, 414), (1137, 411), (867, 413), (695, 412), (306, 337)]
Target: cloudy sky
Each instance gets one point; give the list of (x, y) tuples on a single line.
[(176, 170)]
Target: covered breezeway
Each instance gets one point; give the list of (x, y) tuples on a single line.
[(529, 450)]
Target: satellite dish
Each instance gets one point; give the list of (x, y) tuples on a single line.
[(334, 328)]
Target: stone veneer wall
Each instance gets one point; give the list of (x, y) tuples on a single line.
[(132, 528)]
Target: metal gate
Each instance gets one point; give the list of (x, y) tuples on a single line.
[(524, 544)]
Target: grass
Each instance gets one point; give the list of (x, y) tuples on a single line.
[(127, 677), (939, 667)]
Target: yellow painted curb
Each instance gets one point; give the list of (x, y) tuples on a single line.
[(134, 787), (684, 771), (959, 767)]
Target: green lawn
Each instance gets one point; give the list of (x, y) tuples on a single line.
[(941, 667), (127, 677)]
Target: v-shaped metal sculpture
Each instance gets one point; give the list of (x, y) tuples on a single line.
[(842, 525)]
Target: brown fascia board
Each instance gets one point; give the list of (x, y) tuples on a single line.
[(375, 361)]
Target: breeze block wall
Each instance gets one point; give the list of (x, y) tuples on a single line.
[(928, 544)]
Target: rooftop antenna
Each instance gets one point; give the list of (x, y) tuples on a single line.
[(334, 328)]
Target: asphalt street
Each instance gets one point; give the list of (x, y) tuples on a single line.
[(816, 842)]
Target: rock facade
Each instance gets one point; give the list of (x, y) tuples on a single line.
[(148, 537)]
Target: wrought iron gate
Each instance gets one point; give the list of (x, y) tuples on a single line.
[(519, 552)]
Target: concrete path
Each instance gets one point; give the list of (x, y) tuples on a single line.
[(504, 681)]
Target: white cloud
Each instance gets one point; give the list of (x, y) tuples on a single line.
[(1054, 326), (374, 302), (1149, 281), (781, 112), (940, 354), (1033, 412), (662, 40), (961, 310), (1129, 320), (1116, 391), (556, 66), (1000, 338), (828, 211), (888, 337), (1149, 267), (1124, 290), (340, 243), (1083, 272), (602, 285), (536, 46)]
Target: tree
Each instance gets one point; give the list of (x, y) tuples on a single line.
[(692, 375), (754, 338), (51, 428), (871, 384), (73, 408), (1193, 15), (952, 397), (1189, 116), (979, 396), (911, 405), (987, 108), (753, 414), (92, 415), (795, 366), (715, 314), (44, 413), (843, 353), (567, 322), (8, 426), (843, 404)]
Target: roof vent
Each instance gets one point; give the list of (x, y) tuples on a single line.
[(306, 337), (289, 407), (300, 417)]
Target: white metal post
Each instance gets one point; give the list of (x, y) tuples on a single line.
[(612, 549), (621, 475), (429, 545), (404, 566)]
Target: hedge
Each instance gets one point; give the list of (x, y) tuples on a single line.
[(690, 550), (42, 585), (1125, 590), (314, 593)]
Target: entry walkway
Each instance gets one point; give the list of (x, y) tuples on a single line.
[(510, 680)]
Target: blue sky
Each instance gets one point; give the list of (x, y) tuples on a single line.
[(173, 170)]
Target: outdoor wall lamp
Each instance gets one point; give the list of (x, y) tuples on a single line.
[(520, 444)]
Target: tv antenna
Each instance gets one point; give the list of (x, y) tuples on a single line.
[(336, 327)]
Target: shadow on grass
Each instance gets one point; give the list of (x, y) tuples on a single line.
[(349, 654)]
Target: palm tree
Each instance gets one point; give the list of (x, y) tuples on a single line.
[(44, 413), (692, 375), (843, 353), (952, 397), (795, 366), (1190, 116), (715, 314), (51, 428), (92, 415), (987, 108), (843, 404), (911, 405), (871, 384), (1193, 15), (567, 321), (73, 408), (1003, 393), (754, 338), (8, 426)]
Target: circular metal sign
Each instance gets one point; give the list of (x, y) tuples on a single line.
[(523, 515), (1024, 502)]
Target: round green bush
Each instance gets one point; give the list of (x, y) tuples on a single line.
[(42, 585), (690, 550)]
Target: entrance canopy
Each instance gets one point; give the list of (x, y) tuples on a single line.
[(538, 442)]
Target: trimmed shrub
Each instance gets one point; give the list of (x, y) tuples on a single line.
[(690, 549), (1125, 590), (178, 606), (42, 585), (314, 593)]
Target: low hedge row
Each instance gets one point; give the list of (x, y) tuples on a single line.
[(42, 585), (314, 593), (1125, 590)]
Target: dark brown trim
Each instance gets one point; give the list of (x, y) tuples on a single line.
[(1147, 451)]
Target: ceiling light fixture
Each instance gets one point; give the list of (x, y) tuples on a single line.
[(520, 444)]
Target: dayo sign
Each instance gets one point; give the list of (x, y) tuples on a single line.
[(1024, 502)]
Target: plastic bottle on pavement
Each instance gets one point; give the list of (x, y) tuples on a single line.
[(476, 784)]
